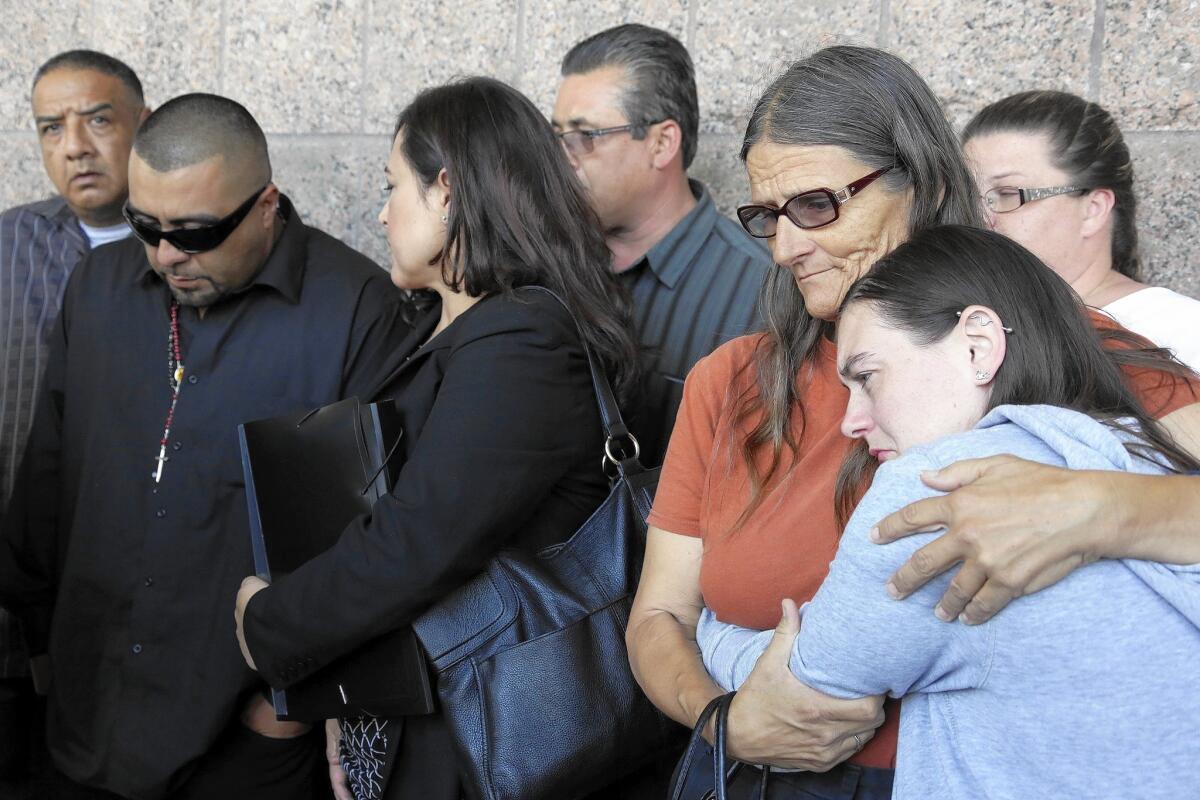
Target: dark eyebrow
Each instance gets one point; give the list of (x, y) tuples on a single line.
[(851, 363), (84, 113)]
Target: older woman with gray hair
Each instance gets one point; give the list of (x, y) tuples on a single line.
[(848, 155)]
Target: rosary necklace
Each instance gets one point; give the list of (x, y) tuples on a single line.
[(175, 370)]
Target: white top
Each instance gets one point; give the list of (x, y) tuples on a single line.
[(99, 236), (1167, 318)]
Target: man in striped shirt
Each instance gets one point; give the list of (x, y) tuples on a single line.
[(86, 107), (628, 116)]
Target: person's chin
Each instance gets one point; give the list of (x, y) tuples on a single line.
[(199, 297), (93, 197), (821, 305)]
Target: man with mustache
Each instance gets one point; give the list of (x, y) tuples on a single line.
[(128, 526), (86, 108)]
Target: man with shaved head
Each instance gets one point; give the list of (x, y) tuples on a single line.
[(128, 527)]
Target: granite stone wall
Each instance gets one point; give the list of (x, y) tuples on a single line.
[(327, 77)]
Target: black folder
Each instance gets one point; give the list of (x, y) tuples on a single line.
[(308, 475)]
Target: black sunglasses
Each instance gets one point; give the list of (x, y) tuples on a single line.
[(812, 209), (193, 240)]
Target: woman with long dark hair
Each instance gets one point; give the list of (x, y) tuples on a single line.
[(848, 155), (961, 344), (502, 435)]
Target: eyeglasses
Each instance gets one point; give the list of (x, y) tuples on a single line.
[(192, 240), (581, 142), (1004, 199), (812, 209)]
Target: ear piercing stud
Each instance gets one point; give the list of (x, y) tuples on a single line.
[(982, 376)]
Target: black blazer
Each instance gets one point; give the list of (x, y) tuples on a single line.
[(502, 444)]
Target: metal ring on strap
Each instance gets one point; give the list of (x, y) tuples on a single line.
[(608, 452)]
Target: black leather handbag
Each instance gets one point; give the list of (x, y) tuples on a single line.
[(532, 672)]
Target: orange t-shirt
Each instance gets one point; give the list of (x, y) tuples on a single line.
[(784, 548)]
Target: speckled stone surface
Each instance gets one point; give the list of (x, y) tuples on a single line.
[(174, 47), (718, 167), (326, 78), (296, 64), (739, 48), (30, 34), (24, 177), (1150, 78), (552, 27), (973, 53), (335, 184), (1167, 170), (407, 52)]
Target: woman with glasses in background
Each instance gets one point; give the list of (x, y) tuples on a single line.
[(1056, 176)]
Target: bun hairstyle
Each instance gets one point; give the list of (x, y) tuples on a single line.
[(1085, 143)]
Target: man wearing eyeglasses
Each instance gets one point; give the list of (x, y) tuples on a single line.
[(128, 527), (86, 107), (628, 118)]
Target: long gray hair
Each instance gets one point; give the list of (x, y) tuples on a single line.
[(875, 106)]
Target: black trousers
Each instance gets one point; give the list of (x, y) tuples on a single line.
[(24, 760), (241, 764)]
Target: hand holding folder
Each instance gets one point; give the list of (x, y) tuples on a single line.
[(308, 476)]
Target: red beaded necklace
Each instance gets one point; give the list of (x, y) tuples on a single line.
[(175, 370)]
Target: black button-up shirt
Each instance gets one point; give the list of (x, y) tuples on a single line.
[(692, 292), (141, 576)]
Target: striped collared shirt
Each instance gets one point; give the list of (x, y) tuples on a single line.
[(40, 244), (693, 291)]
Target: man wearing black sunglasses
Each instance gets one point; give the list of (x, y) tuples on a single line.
[(225, 308)]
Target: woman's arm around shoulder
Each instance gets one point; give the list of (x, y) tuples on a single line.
[(1018, 526)]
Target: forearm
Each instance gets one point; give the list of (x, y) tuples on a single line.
[(666, 663), (1154, 517), (729, 652)]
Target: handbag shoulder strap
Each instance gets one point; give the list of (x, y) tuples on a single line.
[(610, 413)]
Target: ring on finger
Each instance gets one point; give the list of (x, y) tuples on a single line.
[(857, 741)]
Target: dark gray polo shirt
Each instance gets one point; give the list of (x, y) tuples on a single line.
[(693, 291)]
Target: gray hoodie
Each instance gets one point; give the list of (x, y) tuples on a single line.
[(1087, 689)]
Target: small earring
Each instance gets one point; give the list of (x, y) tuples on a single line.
[(445, 219), (980, 375)]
